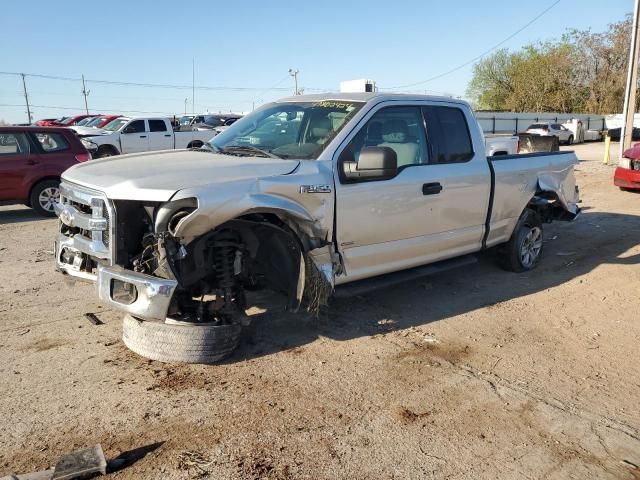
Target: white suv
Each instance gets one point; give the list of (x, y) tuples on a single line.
[(548, 129)]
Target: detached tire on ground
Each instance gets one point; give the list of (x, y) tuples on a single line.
[(180, 342), (523, 251)]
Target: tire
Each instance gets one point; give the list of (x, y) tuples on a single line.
[(524, 249), (180, 342), (43, 196), (195, 144), (105, 151), (570, 140)]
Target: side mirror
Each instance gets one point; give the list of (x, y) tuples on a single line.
[(374, 163)]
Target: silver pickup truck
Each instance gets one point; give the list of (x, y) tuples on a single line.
[(306, 197)]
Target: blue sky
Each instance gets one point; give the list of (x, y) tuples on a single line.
[(252, 45)]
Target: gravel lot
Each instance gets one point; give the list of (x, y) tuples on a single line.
[(477, 373)]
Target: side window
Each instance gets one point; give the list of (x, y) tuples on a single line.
[(448, 131), (157, 126), (399, 128), (137, 126), (52, 142), (12, 143)]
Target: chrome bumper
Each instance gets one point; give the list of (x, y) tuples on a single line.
[(152, 294)]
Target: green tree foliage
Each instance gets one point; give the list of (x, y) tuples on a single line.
[(582, 72)]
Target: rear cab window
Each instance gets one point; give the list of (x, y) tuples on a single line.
[(157, 126), (449, 135)]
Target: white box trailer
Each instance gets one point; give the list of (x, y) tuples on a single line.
[(360, 85)]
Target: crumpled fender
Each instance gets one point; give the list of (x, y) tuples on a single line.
[(563, 186)]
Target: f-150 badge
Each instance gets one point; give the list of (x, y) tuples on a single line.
[(315, 188)]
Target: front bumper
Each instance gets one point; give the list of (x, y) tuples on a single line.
[(626, 178), (151, 296), (148, 297)]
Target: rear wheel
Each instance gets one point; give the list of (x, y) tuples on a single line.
[(570, 140), (523, 251), (176, 341), (43, 196)]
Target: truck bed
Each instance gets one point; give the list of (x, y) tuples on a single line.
[(516, 178)]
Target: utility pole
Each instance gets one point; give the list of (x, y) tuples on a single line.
[(193, 85), (85, 93), (186, 101), (294, 74), (632, 83), (26, 97)]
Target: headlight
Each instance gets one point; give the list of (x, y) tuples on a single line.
[(89, 145)]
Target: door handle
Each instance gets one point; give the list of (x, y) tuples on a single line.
[(143, 136), (431, 188), (167, 135), (32, 162)]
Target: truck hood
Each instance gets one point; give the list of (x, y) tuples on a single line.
[(157, 176), (88, 131)]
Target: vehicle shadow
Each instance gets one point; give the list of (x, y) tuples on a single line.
[(571, 250), (19, 214)]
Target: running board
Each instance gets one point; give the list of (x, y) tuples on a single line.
[(367, 285)]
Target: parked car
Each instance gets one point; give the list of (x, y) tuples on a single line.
[(547, 129), (84, 121), (32, 160), (141, 134), (101, 120), (320, 193), (93, 127), (627, 174), (45, 122), (210, 122), (70, 121)]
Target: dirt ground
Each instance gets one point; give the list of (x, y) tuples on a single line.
[(477, 373)]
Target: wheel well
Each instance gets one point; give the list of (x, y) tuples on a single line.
[(108, 147), (40, 180), (195, 144)]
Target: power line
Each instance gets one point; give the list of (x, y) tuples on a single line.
[(76, 108), (475, 59)]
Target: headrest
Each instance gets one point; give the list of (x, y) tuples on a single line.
[(322, 127), (395, 131)]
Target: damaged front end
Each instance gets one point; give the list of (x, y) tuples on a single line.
[(145, 267)]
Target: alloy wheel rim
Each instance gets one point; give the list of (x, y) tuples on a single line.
[(531, 247), (48, 197)]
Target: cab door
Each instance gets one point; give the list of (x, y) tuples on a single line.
[(160, 138), (435, 206), (134, 137)]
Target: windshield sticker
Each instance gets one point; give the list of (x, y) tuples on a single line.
[(333, 104)]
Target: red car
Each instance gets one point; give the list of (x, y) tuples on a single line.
[(628, 176), (100, 121), (31, 162), (73, 120)]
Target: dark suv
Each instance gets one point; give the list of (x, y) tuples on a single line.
[(31, 162)]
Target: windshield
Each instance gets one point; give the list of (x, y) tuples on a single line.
[(186, 119), (298, 130), (115, 124), (84, 121), (94, 122)]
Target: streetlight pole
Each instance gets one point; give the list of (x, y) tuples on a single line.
[(294, 74), (632, 83)]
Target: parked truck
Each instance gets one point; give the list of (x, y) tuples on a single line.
[(308, 196), (140, 134)]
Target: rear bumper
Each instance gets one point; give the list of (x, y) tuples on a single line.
[(626, 178)]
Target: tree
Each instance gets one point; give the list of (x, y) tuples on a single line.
[(582, 72)]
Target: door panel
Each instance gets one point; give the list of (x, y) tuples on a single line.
[(406, 221), (17, 165), (135, 137), (160, 138)]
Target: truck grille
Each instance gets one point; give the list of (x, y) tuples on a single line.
[(90, 205)]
